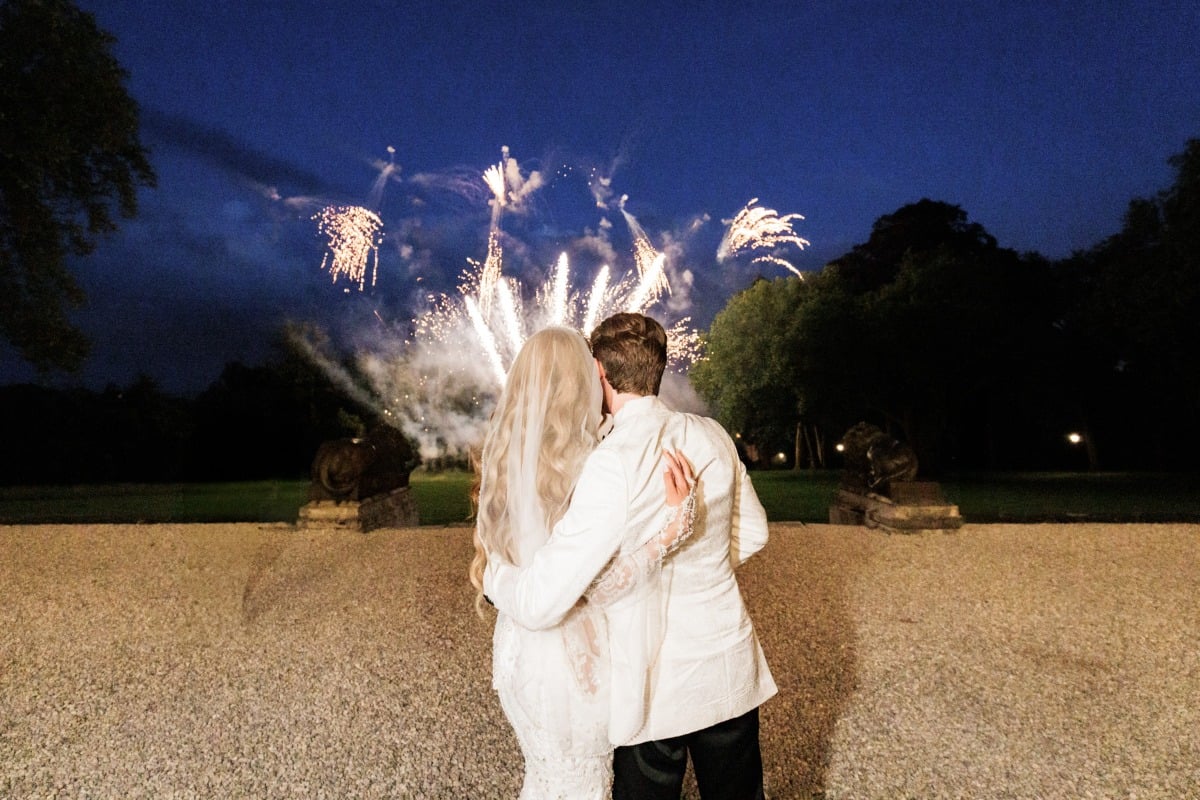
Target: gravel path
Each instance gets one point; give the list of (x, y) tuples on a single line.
[(257, 661)]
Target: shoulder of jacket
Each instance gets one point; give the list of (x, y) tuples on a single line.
[(699, 420)]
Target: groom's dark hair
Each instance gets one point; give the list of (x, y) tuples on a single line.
[(633, 350)]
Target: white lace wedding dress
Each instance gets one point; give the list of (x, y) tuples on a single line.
[(553, 684)]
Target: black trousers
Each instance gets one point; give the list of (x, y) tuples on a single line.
[(725, 758)]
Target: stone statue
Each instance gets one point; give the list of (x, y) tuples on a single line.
[(355, 469), (874, 460), (878, 490)]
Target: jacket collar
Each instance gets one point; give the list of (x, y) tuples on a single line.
[(638, 407)]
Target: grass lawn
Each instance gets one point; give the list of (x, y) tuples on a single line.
[(788, 496), (1010, 497), (441, 499)]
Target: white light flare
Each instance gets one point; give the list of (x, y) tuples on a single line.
[(489, 275), (649, 288), (558, 291), (509, 315), (595, 301), (493, 176), (652, 275), (486, 339)]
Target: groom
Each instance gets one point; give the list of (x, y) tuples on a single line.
[(688, 673)]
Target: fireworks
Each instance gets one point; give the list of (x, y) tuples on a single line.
[(757, 228), (439, 382), (488, 310), (683, 343), (651, 266), (499, 325), (510, 188), (354, 233), (493, 176), (558, 291), (489, 275), (595, 300), (486, 339)]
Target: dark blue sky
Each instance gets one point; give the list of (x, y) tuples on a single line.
[(1041, 120)]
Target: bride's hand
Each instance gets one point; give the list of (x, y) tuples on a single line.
[(677, 477)]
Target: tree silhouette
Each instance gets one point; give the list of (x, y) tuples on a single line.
[(915, 228), (69, 159), (1131, 323), (929, 329)]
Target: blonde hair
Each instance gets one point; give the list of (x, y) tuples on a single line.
[(544, 426)]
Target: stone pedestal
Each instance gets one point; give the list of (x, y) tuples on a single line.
[(912, 507), (394, 509)]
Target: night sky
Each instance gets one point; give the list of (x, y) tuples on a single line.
[(1041, 120)]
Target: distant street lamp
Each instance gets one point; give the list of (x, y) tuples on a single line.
[(1074, 438)]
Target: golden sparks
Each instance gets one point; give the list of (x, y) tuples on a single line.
[(354, 234)]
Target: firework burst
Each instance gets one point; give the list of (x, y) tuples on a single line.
[(354, 234), (438, 377), (758, 228)]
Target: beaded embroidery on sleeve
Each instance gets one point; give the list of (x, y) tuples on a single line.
[(626, 572)]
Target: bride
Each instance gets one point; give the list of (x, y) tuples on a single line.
[(553, 683)]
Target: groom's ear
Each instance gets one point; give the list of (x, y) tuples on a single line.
[(600, 370)]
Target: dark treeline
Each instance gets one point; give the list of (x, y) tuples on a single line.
[(252, 423), (978, 356)]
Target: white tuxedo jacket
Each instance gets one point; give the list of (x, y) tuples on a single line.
[(684, 652)]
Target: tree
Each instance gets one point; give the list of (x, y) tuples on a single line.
[(749, 373), (919, 227), (1131, 322), (70, 159), (929, 330), (961, 350)]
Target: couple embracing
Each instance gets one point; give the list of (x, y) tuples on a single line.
[(610, 560)]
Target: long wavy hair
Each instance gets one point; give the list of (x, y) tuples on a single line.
[(544, 426)]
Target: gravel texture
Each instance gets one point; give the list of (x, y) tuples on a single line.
[(162, 661)]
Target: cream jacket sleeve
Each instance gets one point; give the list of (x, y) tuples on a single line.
[(538, 595), (748, 518), (749, 523)]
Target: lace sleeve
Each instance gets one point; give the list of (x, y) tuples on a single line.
[(626, 572)]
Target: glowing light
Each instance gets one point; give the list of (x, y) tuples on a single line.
[(651, 267), (490, 274), (510, 317), (758, 228), (354, 234), (558, 292), (1074, 438), (493, 176), (595, 300), (649, 287), (683, 344), (485, 338)]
